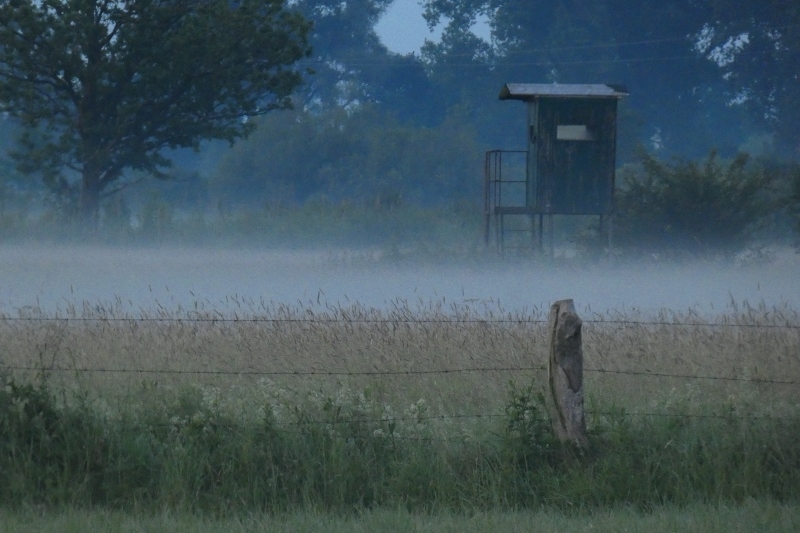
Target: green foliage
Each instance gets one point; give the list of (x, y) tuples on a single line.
[(102, 87), (364, 156), (352, 67), (528, 436), (708, 517), (739, 80), (47, 454), (153, 220), (529, 449), (261, 448), (794, 201), (763, 67), (687, 206), (155, 217), (569, 41)]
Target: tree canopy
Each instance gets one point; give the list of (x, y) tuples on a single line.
[(756, 47), (353, 67), (647, 46), (365, 156), (103, 86)]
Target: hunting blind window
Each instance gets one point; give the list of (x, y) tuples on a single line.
[(574, 133)]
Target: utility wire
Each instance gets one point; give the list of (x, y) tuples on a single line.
[(688, 38), (499, 59)]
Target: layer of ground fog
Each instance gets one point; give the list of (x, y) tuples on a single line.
[(50, 276)]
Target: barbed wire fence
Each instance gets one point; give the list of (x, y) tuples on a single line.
[(787, 325), (453, 321)]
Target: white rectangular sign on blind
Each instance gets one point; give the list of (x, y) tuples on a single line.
[(574, 133)]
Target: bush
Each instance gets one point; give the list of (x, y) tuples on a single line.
[(710, 206), (47, 454), (794, 202)]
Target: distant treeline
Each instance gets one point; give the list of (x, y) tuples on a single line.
[(373, 131)]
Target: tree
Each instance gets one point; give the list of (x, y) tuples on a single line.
[(353, 67), (365, 156), (756, 46), (647, 46), (345, 44), (795, 203), (103, 86)]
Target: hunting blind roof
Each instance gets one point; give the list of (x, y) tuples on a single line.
[(531, 91)]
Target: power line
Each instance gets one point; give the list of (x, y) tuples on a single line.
[(689, 38), (501, 63), (499, 60)]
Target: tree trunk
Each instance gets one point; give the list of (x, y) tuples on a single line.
[(90, 198)]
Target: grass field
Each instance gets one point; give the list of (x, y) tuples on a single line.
[(426, 408), (458, 357), (745, 518)]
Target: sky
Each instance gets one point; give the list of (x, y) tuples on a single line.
[(403, 30)]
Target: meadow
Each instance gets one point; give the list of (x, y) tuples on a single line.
[(425, 409), (746, 517)]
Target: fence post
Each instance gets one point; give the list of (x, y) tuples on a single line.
[(565, 370)]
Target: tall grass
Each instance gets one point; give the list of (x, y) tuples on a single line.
[(717, 518), (233, 421)]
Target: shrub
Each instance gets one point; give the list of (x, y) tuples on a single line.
[(47, 454), (795, 202), (688, 206)]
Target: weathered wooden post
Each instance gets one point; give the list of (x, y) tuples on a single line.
[(565, 368)]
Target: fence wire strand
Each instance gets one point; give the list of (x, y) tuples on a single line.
[(393, 320), (415, 372), (301, 373)]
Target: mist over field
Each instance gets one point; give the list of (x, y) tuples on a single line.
[(52, 277), (278, 257), (384, 146)]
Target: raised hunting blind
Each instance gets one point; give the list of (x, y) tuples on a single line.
[(567, 167)]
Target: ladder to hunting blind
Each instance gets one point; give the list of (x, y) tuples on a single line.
[(509, 219)]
